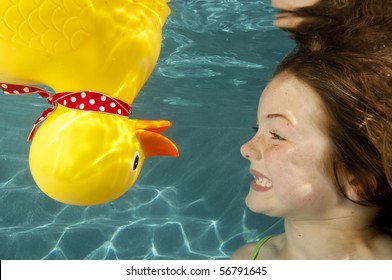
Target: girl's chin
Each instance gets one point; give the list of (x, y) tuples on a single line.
[(255, 205), (264, 205)]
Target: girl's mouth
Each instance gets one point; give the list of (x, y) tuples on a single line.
[(263, 182), (260, 182)]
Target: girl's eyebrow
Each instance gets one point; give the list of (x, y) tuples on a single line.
[(272, 116)]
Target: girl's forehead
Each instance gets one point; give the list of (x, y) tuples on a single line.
[(292, 98)]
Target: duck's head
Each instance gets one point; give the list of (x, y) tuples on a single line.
[(88, 158)]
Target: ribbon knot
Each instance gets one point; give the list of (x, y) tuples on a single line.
[(81, 100)]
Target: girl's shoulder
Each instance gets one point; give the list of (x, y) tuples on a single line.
[(252, 250), (243, 252), (383, 247)]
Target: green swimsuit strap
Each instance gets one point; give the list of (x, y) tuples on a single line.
[(257, 247)]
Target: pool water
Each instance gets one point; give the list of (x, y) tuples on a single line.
[(216, 57)]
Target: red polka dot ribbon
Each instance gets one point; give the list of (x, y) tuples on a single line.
[(82, 100)]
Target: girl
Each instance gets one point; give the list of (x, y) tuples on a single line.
[(321, 158)]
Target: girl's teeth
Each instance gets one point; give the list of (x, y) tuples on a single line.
[(263, 182)]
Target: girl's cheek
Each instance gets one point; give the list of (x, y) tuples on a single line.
[(275, 160), (274, 154)]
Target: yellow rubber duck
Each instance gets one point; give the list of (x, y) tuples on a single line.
[(96, 55)]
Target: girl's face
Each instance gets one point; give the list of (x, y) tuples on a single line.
[(287, 154), (286, 18), (290, 5)]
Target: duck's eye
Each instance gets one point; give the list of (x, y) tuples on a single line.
[(135, 161)]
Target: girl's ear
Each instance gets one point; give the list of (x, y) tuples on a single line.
[(356, 187), (349, 183), (352, 187)]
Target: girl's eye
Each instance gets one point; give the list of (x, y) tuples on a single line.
[(275, 136)]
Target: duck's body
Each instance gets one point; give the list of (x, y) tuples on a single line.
[(106, 46)]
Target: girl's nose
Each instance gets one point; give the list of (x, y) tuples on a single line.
[(250, 151)]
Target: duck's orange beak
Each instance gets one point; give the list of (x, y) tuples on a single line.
[(151, 141)]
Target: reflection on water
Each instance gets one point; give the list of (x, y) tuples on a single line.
[(362, 26), (216, 57)]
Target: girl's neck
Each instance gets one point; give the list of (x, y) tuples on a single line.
[(327, 239)]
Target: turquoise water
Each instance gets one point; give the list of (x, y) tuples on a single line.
[(216, 58)]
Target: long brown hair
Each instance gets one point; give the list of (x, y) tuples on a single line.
[(357, 92), (362, 26)]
